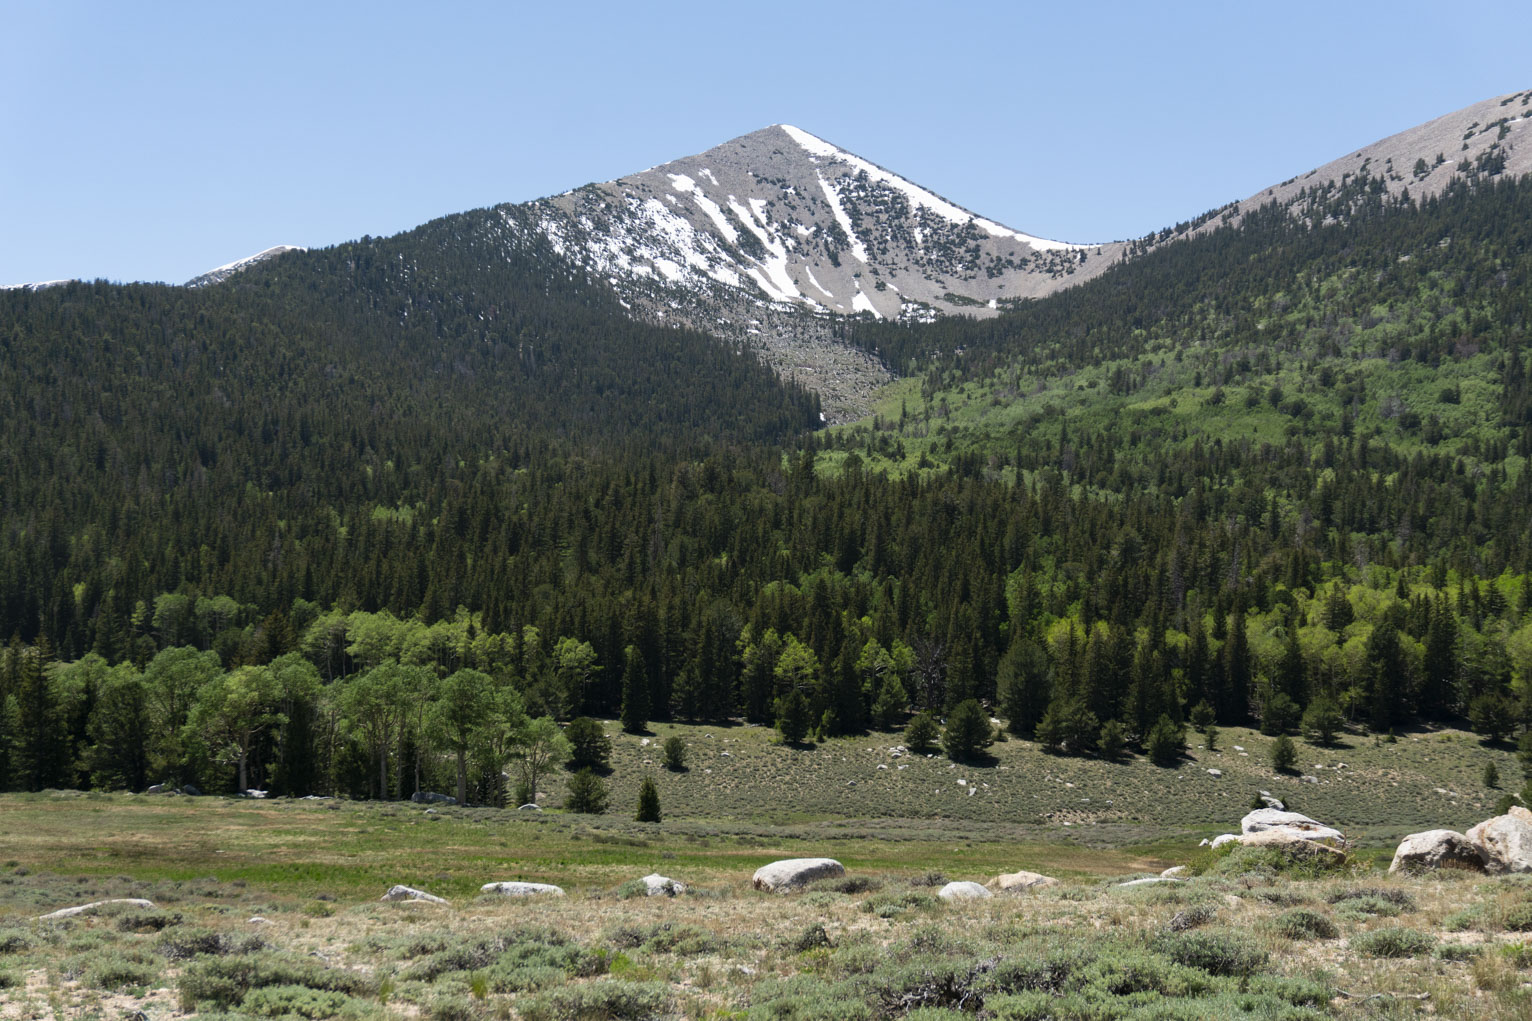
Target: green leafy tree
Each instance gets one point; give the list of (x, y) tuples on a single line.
[(675, 753), (921, 735), (648, 801), (232, 711), (537, 747), (587, 793), (968, 732), (1492, 716), (119, 731), (574, 668), (1322, 720), (173, 679), (464, 707)]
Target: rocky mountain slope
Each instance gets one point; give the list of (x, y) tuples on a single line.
[(228, 269), (771, 237)]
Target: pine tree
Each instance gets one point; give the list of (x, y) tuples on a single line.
[(968, 732), (635, 691), (587, 794), (648, 801)]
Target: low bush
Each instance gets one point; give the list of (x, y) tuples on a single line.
[(1215, 952), (225, 981), (119, 971), (1301, 924), (294, 1001), (601, 1001), (1393, 941), (185, 944)]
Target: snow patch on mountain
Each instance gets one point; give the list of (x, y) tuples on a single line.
[(228, 269)]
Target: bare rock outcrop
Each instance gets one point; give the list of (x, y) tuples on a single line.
[(93, 907), (1269, 820)]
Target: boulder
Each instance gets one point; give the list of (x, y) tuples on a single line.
[(1439, 849), (93, 907), (657, 885), (1015, 882), (432, 798), (161, 788), (1266, 820), (963, 891), (1152, 881), (1272, 802), (530, 807), (795, 873), (252, 793), (1224, 838), (522, 889), (410, 893), (1296, 846), (1174, 872), (1507, 840), (191, 791), (1215, 773)]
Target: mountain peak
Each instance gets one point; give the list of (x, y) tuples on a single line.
[(228, 269)]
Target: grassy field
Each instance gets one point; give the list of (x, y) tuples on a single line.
[(877, 945)]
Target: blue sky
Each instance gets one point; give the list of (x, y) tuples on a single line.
[(153, 141)]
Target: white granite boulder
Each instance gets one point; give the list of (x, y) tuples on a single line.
[(963, 891), (93, 907), (1266, 820), (795, 873), (1016, 882), (396, 893), (522, 889), (656, 885), (1507, 840), (1439, 849)]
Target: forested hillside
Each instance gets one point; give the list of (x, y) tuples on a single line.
[(1278, 470)]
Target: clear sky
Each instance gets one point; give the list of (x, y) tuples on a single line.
[(153, 141)]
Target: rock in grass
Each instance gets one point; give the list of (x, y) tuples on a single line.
[(656, 885), (1175, 871), (1265, 820), (432, 798), (1507, 840), (1224, 838), (410, 893), (963, 891), (93, 907), (1438, 849), (1152, 881), (795, 873), (522, 889), (1015, 882)]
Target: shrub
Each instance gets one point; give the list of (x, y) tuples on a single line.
[(1394, 941), (675, 754), (146, 921), (810, 939), (294, 1001), (1457, 952), (225, 981), (587, 794), (648, 801), (601, 1001), (14, 941), (1217, 953), (1517, 918), (968, 732), (185, 944), (116, 971), (1388, 894), (1299, 924)]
